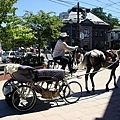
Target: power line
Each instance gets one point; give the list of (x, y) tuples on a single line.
[(67, 2), (59, 3), (108, 4), (114, 3), (81, 2), (97, 6)]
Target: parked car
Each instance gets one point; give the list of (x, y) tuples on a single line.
[(1, 52), (10, 56)]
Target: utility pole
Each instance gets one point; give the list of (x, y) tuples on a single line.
[(78, 25), (70, 31)]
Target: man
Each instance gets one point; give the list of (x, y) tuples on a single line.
[(59, 51)]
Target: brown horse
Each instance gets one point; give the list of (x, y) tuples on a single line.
[(96, 59)]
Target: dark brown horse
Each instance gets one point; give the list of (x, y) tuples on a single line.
[(96, 59)]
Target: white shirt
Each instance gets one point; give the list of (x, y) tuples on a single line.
[(60, 48)]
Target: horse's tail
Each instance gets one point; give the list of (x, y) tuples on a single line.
[(83, 63)]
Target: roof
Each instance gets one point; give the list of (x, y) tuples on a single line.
[(93, 18), (115, 30)]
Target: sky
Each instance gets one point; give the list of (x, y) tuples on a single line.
[(109, 6)]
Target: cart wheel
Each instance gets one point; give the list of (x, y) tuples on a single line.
[(6, 85), (9, 86), (8, 99), (72, 92), (62, 91), (26, 96)]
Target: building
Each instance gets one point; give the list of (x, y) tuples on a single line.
[(88, 31), (114, 38)]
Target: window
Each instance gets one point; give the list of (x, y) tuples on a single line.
[(12, 53), (112, 35), (86, 32), (102, 34), (96, 33), (118, 36)]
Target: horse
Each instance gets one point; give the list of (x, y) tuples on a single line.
[(118, 53), (97, 59)]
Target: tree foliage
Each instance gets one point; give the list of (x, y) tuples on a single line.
[(7, 11), (107, 18), (45, 26), (37, 28), (31, 29)]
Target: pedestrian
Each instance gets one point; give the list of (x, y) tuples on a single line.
[(59, 52)]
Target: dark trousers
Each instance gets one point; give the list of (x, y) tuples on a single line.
[(64, 60)]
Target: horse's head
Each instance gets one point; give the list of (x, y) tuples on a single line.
[(78, 55), (111, 54)]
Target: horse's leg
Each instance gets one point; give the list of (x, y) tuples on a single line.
[(116, 65), (115, 83), (86, 78), (112, 74), (92, 75)]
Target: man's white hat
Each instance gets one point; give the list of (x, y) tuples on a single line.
[(64, 34)]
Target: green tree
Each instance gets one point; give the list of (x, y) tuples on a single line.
[(15, 34), (6, 12), (44, 26), (112, 21), (99, 13), (107, 18), (6, 9)]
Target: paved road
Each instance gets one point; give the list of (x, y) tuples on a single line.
[(100, 105)]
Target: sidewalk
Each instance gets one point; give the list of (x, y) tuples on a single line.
[(100, 105)]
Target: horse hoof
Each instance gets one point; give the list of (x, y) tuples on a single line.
[(88, 91), (93, 89), (107, 89)]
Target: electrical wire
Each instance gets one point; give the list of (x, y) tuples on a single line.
[(115, 3), (70, 4), (58, 3), (109, 4), (97, 6), (66, 2)]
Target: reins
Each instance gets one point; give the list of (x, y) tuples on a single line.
[(98, 70), (78, 76)]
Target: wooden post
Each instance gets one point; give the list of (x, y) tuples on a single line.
[(78, 25)]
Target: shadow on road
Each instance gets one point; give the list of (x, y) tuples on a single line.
[(113, 108), (112, 111), (5, 110)]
